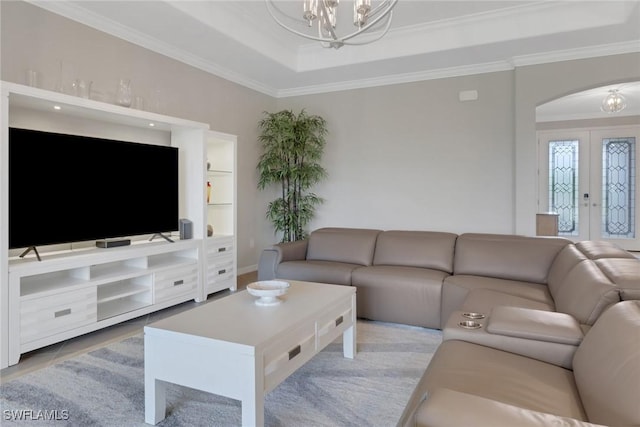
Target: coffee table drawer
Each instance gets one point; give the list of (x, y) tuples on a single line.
[(282, 358), (334, 322)]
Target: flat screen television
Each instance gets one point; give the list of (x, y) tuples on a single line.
[(68, 188)]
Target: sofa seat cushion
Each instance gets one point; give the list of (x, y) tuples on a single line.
[(338, 273), (504, 377), (625, 273), (446, 407), (485, 300), (456, 288), (397, 294), (529, 290)]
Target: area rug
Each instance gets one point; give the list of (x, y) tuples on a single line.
[(106, 387)]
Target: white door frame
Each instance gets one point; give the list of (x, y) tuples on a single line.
[(590, 210)]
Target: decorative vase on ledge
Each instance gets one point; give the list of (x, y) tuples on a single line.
[(123, 95)]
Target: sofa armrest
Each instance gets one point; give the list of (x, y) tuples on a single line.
[(293, 251), (446, 408), (537, 325), (529, 345), (272, 256)]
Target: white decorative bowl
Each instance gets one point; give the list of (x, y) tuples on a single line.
[(268, 291)]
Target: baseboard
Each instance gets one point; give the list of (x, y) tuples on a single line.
[(249, 269)]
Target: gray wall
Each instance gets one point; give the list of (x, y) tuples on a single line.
[(413, 156), (407, 156)]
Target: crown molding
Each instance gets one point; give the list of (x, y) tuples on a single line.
[(392, 79), (82, 16), (578, 53), (527, 20), (517, 61), (76, 13)]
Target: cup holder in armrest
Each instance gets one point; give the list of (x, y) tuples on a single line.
[(473, 315), (470, 324)]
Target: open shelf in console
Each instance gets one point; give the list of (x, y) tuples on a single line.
[(40, 285), (123, 296), (113, 270), (173, 259)]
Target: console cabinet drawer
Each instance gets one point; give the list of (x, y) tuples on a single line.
[(220, 269), (288, 354), (172, 283), (42, 317), (334, 323), (219, 246)]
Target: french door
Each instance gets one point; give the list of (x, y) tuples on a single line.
[(589, 178)]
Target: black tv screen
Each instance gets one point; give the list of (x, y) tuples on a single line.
[(69, 188)]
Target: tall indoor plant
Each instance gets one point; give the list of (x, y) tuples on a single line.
[(292, 149)]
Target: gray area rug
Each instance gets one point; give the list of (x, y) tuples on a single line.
[(106, 387)]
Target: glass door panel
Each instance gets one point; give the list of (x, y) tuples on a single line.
[(589, 178), (563, 184), (614, 157)]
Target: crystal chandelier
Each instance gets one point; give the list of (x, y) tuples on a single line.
[(323, 14), (614, 102)]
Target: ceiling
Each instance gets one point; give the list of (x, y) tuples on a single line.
[(239, 41)]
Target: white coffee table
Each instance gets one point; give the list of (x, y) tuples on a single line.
[(234, 348)]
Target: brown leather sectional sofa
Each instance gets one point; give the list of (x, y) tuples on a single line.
[(543, 352)]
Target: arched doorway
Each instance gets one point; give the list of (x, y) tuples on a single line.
[(589, 165)]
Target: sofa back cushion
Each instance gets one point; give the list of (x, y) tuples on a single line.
[(349, 245), (585, 293), (606, 367), (568, 258), (426, 249), (625, 273), (506, 256)]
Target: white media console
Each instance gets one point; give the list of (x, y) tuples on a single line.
[(75, 291)]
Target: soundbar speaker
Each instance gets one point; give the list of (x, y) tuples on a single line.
[(186, 229), (112, 243)]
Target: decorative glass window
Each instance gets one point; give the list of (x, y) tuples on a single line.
[(563, 185), (618, 187)]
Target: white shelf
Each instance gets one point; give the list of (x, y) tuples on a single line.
[(36, 99), (221, 213), (122, 278), (44, 284), (119, 290), (118, 307)]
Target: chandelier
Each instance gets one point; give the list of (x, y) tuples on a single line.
[(614, 102), (323, 14)]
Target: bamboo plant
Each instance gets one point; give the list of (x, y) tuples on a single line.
[(292, 149)]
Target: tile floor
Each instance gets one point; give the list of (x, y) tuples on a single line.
[(66, 349)]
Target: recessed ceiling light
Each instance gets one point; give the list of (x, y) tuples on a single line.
[(152, 124), (57, 107)]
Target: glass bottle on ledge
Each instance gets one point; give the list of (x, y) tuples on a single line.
[(123, 95)]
